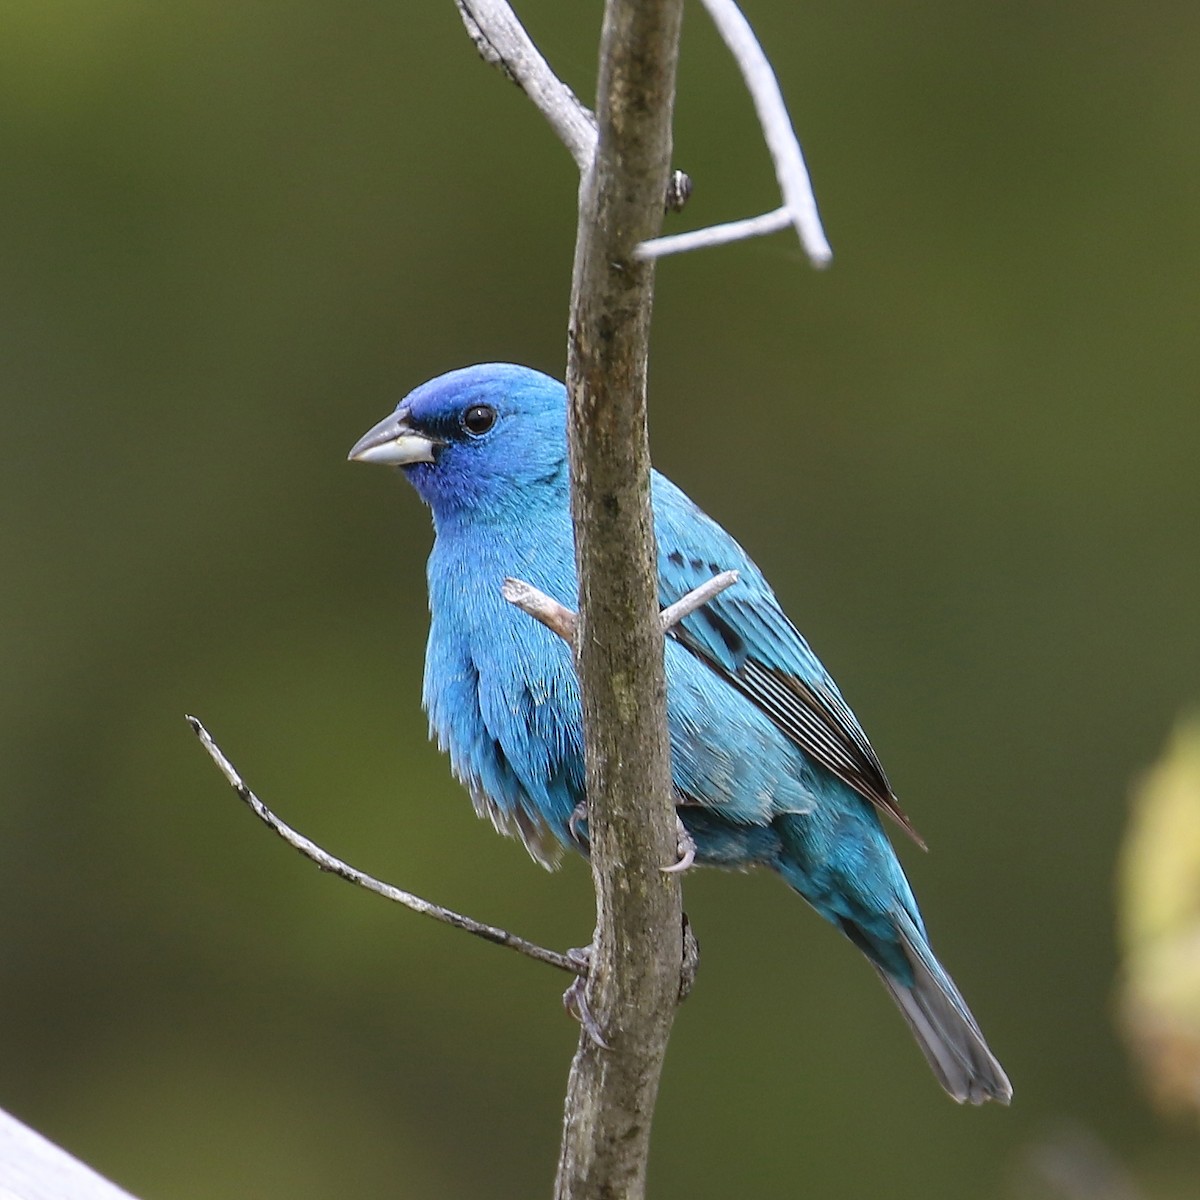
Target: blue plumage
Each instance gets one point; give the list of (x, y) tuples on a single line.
[(770, 765)]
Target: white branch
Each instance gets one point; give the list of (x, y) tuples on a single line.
[(502, 41), (33, 1168), (781, 140), (716, 235), (799, 204)]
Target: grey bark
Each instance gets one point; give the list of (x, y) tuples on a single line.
[(634, 983)]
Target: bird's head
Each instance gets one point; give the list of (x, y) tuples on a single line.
[(483, 440)]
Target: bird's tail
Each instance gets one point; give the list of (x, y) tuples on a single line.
[(943, 1025)]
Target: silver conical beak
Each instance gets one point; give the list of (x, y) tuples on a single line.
[(394, 443)]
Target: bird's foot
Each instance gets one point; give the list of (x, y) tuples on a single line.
[(686, 849), (578, 817), (575, 999)]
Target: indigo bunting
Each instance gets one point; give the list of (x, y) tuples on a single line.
[(770, 767)]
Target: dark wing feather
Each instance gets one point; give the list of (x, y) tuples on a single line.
[(746, 638), (817, 720)]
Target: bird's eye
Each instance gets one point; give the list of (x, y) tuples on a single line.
[(478, 419)]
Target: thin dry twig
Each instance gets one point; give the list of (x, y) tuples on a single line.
[(717, 235), (799, 204), (542, 608), (778, 131), (697, 598), (502, 41), (560, 620), (335, 866)]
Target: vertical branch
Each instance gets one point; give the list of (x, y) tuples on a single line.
[(637, 953)]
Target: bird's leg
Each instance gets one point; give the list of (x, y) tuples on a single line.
[(575, 999), (686, 849)]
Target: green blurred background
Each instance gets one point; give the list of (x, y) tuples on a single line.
[(231, 236)]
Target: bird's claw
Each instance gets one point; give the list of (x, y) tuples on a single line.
[(578, 816), (575, 999), (686, 850)]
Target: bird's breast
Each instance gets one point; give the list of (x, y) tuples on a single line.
[(502, 698)]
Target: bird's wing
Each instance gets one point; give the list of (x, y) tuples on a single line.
[(746, 638)]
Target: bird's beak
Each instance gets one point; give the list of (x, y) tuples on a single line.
[(394, 443)]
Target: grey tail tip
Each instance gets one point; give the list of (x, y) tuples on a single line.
[(949, 1036)]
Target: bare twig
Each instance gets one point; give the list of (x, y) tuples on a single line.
[(781, 140), (799, 205), (335, 866), (502, 41), (556, 617), (696, 598), (716, 235)]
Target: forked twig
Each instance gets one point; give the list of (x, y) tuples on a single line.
[(799, 204), (503, 42)]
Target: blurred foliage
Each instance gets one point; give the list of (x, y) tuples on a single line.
[(1071, 1163), (231, 236), (1160, 924)]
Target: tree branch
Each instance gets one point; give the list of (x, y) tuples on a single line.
[(637, 955), (335, 866), (799, 204)]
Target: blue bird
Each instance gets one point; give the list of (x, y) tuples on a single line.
[(770, 766)]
